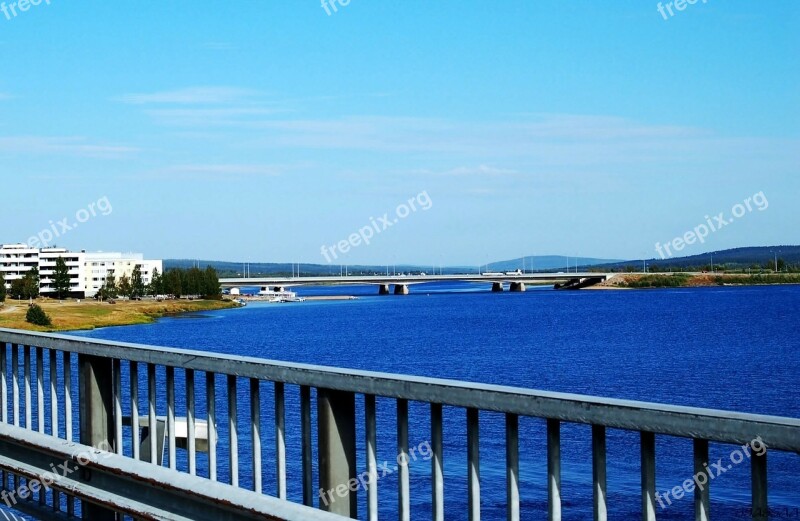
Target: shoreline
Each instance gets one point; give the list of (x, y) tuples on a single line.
[(259, 298), (81, 315), (695, 280)]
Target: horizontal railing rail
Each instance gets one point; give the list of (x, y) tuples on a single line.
[(38, 391), (126, 485), (691, 422)]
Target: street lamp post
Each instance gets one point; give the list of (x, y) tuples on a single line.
[(776, 259)]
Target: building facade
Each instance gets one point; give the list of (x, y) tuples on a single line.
[(87, 271), (16, 260), (99, 265), (47, 265)]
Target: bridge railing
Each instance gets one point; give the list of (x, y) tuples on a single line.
[(129, 397)]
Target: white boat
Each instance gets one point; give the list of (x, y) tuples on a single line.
[(277, 296)]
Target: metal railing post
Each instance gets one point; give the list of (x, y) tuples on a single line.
[(96, 388), (336, 411)]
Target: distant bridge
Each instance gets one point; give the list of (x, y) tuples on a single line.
[(516, 282)]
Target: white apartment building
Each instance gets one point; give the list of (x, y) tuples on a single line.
[(16, 260), (47, 265), (88, 271), (100, 264)]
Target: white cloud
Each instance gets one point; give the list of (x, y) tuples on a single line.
[(544, 142), (190, 96), (209, 117), (216, 171), (480, 170), (476, 171), (76, 146), (229, 169)]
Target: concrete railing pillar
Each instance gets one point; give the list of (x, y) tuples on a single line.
[(96, 398), (336, 411)]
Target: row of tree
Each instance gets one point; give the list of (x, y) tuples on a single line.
[(174, 282)]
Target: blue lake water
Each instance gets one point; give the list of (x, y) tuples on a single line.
[(730, 348)]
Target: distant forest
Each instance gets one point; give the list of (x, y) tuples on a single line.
[(761, 258), (738, 259)]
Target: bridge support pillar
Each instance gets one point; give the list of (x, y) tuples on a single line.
[(497, 287), (401, 289), (383, 289), (278, 288), (96, 397), (336, 412), (517, 287)]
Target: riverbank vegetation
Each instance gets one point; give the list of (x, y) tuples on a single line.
[(686, 280), (68, 315)]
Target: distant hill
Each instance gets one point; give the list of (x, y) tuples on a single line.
[(257, 269), (736, 258), (236, 269), (547, 263)]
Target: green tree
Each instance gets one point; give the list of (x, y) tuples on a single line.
[(61, 280), (781, 264), (211, 287), (195, 281), (110, 286), (2, 287), (137, 282), (37, 316), (17, 290), (31, 283), (125, 288), (172, 283), (156, 283)]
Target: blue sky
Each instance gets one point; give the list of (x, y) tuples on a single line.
[(261, 130)]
